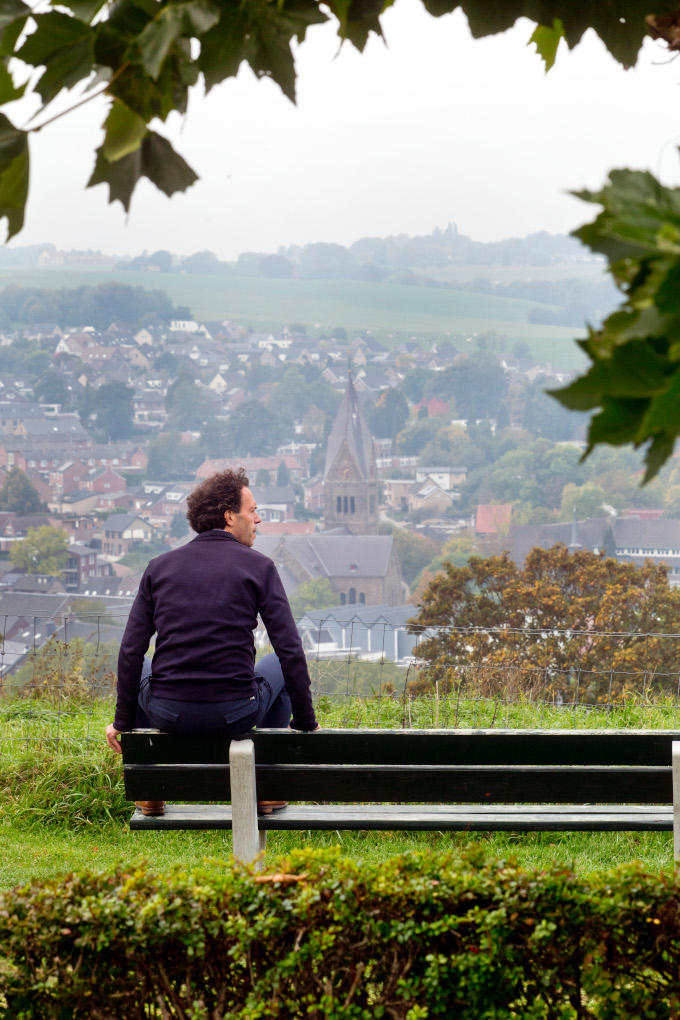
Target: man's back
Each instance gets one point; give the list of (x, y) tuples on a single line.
[(206, 597)]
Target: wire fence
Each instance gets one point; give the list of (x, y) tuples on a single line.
[(58, 674)]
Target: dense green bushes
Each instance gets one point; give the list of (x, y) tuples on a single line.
[(322, 937)]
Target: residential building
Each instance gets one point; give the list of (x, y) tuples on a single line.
[(633, 539), (430, 496), (492, 518), (397, 493), (368, 632), (121, 530), (445, 477), (83, 563)]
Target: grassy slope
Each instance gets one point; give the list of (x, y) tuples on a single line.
[(391, 311), (35, 843), (510, 274)]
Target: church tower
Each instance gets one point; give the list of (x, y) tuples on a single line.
[(350, 479)]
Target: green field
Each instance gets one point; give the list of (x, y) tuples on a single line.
[(392, 312), (593, 271)]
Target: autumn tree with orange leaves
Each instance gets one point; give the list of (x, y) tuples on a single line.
[(575, 627)]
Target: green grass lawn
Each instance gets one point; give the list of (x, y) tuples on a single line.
[(62, 806), (40, 852), (393, 312)]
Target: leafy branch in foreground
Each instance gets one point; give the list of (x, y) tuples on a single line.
[(145, 55), (635, 372)]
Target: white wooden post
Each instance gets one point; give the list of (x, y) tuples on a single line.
[(675, 759), (248, 841)]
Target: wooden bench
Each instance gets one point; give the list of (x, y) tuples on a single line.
[(458, 780)]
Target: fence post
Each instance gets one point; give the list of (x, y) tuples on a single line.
[(675, 760), (248, 842)]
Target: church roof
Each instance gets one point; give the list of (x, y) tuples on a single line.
[(324, 555), (350, 427)]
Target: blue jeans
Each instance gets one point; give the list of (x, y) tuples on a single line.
[(269, 706)]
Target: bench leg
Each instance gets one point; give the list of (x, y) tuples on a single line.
[(675, 759), (247, 839)]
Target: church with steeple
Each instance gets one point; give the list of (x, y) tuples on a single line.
[(350, 477), (360, 565)]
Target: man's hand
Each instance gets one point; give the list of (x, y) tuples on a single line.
[(112, 738)]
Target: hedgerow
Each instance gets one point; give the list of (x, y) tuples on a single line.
[(417, 936)]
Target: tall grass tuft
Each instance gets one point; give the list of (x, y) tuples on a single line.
[(73, 791)]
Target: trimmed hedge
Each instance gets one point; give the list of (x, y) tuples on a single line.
[(418, 936)]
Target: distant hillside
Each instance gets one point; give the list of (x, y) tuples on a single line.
[(440, 248), (370, 259), (393, 312), (374, 259)]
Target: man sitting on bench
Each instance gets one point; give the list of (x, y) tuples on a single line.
[(202, 601)]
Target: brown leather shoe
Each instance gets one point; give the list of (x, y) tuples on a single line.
[(265, 807), (151, 808)]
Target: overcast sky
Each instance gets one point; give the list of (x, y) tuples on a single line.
[(432, 127)]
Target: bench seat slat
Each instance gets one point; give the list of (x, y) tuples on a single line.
[(478, 817), (466, 747), (357, 783), (418, 747)]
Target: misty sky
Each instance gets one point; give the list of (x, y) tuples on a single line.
[(432, 127)]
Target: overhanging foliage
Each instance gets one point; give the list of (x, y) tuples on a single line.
[(635, 373), (145, 55)]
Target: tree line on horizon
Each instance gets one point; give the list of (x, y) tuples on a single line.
[(373, 259)]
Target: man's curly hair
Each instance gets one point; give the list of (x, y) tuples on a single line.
[(207, 504)]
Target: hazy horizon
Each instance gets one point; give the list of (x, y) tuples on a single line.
[(16, 245), (431, 127)]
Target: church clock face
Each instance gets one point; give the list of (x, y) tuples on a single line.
[(345, 473)]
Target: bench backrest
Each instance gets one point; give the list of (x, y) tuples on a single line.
[(419, 766)]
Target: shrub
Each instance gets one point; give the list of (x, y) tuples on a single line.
[(323, 937), (66, 672)]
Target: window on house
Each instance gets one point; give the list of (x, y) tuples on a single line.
[(344, 504), (351, 504), (343, 598), (362, 598), (352, 596), (339, 505)]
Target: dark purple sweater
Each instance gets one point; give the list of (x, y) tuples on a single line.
[(202, 601)]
